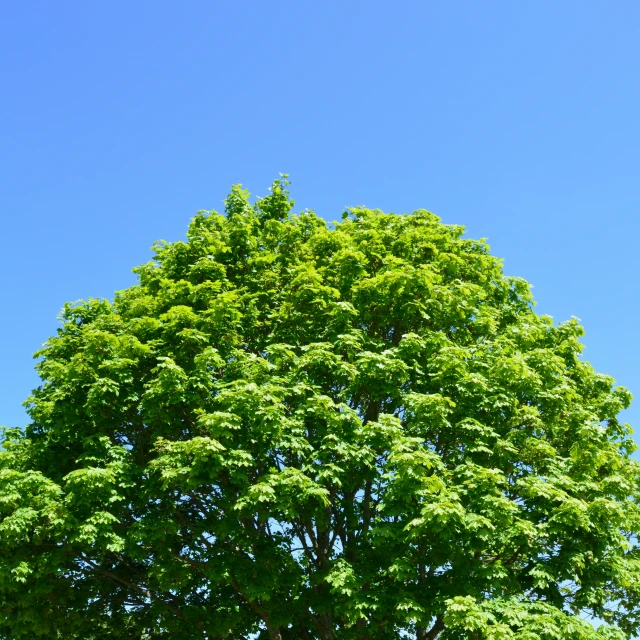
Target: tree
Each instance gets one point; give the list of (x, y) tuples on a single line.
[(289, 429)]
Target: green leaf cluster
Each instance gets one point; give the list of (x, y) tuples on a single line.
[(295, 430)]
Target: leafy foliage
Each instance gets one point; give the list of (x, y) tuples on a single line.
[(295, 430)]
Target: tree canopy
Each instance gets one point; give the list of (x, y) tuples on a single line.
[(290, 429)]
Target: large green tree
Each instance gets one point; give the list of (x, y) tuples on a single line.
[(295, 430)]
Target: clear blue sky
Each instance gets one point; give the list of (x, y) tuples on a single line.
[(518, 119)]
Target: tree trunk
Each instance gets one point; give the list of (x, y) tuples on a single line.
[(274, 633), (434, 632), (361, 630), (324, 626)]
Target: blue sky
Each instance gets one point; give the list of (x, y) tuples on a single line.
[(518, 119)]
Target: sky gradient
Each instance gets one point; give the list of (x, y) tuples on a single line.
[(120, 120)]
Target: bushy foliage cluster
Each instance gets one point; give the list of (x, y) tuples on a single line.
[(301, 430)]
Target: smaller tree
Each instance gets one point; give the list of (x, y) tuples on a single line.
[(298, 430)]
